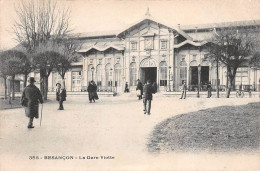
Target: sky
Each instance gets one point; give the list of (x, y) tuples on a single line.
[(91, 16)]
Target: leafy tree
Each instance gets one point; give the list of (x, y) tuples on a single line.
[(45, 62), (233, 46), (12, 60)]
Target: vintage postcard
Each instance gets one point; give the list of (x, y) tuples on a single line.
[(170, 85)]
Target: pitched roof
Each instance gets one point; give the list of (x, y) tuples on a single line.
[(220, 25), (150, 18)]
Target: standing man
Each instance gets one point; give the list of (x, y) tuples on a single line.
[(60, 95), (139, 87), (91, 90), (184, 89), (209, 90), (148, 96), (126, 87), (33, 95)]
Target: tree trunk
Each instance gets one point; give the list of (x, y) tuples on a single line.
[(13, 91), (25, 80), (45, 96), (5, 88), (217, 81)]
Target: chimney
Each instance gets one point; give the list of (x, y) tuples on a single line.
[(179, 26), (196, 29)]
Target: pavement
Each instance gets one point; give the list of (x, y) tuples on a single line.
[(114, 127)]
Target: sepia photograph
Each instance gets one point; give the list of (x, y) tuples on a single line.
[(129, 85)]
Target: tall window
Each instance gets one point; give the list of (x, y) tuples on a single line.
[(242, 76), (99, 75), (76, 80), (133, 74), (117, 74), (183, 71), (108, 75), (163, 73)]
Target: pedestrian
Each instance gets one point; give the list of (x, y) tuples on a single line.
[(184, 89), (209, 90), (90, 90), (147, 98), (95, 96), (60, 95), (139, 89), (33, 96), (126, 87)]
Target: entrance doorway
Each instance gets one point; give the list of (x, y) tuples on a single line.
[(204, 75), (148, 74)]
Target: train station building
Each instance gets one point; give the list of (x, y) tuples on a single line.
[(151, 49)]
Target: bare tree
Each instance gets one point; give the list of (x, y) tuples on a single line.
[(233, 46), (38, 23)]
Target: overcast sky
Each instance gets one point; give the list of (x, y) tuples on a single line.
[(90, 16)]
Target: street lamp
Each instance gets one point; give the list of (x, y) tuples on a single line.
[(92, 70), (169, 78), (199, 69)]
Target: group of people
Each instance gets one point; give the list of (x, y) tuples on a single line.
[(184, 89), (31, 97), (146, 92)]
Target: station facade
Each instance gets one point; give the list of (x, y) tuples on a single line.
[(150, 49)]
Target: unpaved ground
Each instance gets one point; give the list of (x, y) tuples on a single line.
[(114, 126)]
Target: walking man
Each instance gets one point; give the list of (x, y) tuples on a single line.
[(148, 96), (60, 95), (140, 88), (184, 89), (33, 95)]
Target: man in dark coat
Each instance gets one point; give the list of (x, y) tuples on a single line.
[(139, 87), (126, 87), (148, 96), (184, 89), (33, 96), (91, 90), (60, 95)]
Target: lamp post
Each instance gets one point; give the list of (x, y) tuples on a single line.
[(199, 69), (169, 78), (92, 70), (111, 78)]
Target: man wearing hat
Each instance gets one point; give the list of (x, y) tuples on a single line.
[(33, 96), (60, 95)]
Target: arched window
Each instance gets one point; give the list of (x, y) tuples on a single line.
[(163, 73), (99, 75), (133, 74), (183, 71), (108, 75), (117, 74)]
